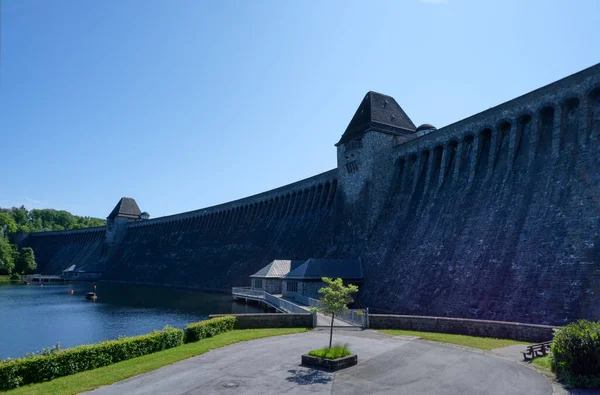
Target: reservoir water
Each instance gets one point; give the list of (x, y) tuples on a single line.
[(33, 317)]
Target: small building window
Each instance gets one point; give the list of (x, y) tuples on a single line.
[(292, 286), (258, 283), (352, 167)]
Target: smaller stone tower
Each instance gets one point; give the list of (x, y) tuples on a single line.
[(116, 223)]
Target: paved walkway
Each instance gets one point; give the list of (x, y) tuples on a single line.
[(386, 365)]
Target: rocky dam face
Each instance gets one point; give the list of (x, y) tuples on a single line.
[(492, 217)]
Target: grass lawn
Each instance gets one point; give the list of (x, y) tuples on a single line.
[(4, 279), (483, 343), (543, 362), (334, 352), (91, 379)]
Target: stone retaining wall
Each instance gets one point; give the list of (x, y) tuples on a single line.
[(460, 326), (253, 321)]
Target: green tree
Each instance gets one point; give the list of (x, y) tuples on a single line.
[(24, 228), (26, 261), (20, 215), (335, 298), (7, 256), (7, 219)]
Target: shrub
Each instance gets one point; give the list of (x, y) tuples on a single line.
[(208, 328), (576, 354), (15, 277), (50, 365), (335, 352)]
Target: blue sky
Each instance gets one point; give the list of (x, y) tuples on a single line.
[(188, 104)]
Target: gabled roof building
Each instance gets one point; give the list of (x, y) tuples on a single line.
[(303, 277)]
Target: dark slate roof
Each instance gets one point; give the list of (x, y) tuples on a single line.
[(127, 207), (334, 268), (426, 126), (378, 112), (278, 268)]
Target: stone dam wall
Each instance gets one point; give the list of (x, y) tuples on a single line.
[(57, 251), (495, 217), (209, 249)]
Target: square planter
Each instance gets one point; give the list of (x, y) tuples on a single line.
[(330, 364)]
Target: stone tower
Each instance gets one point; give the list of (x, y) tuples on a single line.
[(116, 223), (364, 155)]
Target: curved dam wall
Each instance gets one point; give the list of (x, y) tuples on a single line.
[(496, 216), (56, 251), (219, 247)]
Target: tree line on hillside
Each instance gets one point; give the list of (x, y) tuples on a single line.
[(15, 261), (19, 219)]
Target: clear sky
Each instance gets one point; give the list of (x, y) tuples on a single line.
[(187, 104)]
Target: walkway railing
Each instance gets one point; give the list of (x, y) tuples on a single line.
[(275, 301), (305, 300), (355, 318), (284, 304)]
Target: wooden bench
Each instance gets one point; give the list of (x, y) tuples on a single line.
[(536, 350)]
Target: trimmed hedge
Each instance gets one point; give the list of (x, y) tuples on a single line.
[(48, 366), (208, 328), (576, 354)]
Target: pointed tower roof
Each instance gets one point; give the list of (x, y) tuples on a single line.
[(378, 112), (127, 207)]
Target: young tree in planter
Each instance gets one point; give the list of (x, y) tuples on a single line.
[(335, 298)]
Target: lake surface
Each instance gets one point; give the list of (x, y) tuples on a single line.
[(34, 317)]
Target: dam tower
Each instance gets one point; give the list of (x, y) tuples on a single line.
[(365, 155)]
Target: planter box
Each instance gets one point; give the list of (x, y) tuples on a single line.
[(330, 364)]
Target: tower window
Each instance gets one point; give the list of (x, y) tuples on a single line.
[(352, 167)]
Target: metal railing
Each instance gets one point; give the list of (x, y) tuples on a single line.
[(353, 317), (284, 304), (247, 291), (280, 304), (305, 300)]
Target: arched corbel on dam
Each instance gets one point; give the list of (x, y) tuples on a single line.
[(525, 140), (325, 195), (501, 158), (593, 115), (572, 127), (437, 170), (519, 131), (398, 175), (318, 194), (447, 161), (332, 192), (428, 161), (408, 175), (463, 157), (547, 138), (416, 171), (473, 156), (483, 153)]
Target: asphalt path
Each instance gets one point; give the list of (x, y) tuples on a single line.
[(386, 365)]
